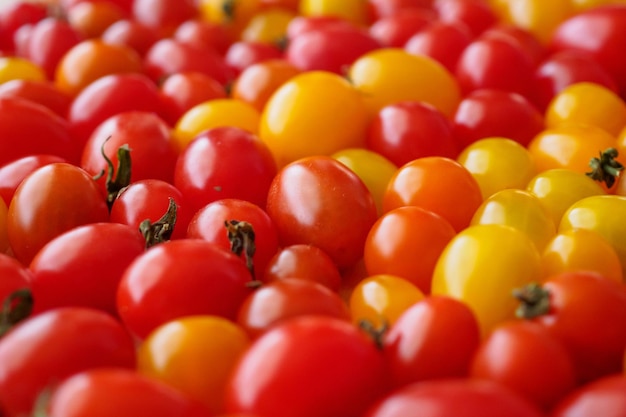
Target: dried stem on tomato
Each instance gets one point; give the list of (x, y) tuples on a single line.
[(241, 237), (116, 179), (161, 230), (605, 168), (534, 301), (15, 308)]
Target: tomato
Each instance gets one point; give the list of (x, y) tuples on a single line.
[(15, 295), (312, 366), (390, 75), (354, 11), (301, 24), (180, 352), (15, 15), (269, 25), (301, 118), (102, 392), (241, 54), (514, 353), (408, 130), (401, 232), (132, 34), (43, 350), (382, 8), (282, 300), (434, 338), (224, 162), (91, 18), (306, 262), (204, 34), (437, 184), (312, 198), (378, 300), (13, 173), (53, 199), (15, 68), (477, 16), (180, 278), (444, 42), (164, 15), (468, 271), (41, 92), (233, 15), (395, 30), (521, 37), (461, 397), (603, 396), (571, 305)]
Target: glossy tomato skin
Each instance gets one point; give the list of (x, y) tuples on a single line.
[(313, 366), (444, 42), (15, 276), (51, 346), (395, 30), (13, 173), (477, 16), (314, 198), (16, 15), (125, 393), (163, 15), (181, 278), (41, 92), (604, 396), (83, 266), (53, 199), (242, 54)]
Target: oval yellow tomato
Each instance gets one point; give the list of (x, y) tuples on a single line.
[(355, 11), (16, 68)]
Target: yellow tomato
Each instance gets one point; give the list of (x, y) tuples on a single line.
[(216, 113), (194, 354), (519, 209), (498, 163), (15, 68), (539, 17), (374, 170), (233, 14), (580, 249), (389, 75), (355, 11), (314, 113), (381, 299), (268, 26), (482, 265), (581, 5)]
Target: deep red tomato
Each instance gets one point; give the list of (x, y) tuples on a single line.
[(164, 15), (83, 266), (203, 33), (132, 34), (181, 278), (395, 30), (444, 42), (15, 15), (16, 301), (13, 173), (318, 200), (383, 8), (55, 198), (91, 18), (242, 54), (312, 366), (46, 348), (603, 397), (120, 392), (42, 92), (476, 15), (224, 162), (301, 24), (521, 37)]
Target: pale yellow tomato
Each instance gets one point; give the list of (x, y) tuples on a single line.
[(268, 26), (355, 11), (15, 68)]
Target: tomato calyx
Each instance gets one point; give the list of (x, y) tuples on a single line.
[(16, 307), (241, 237), (535, 301), (605, 168), (376, 333), (228, 8), (161, 230), (114, 186)]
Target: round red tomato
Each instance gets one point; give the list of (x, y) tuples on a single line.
[(605, 396), (13, 173), (131, 33), (42, 92)]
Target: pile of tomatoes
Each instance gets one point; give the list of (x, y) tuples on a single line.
[(313, 208)]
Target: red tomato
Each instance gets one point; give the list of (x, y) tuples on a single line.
[(15, 15), (120, 392), (435, 338), (91, 18), (383, 8), (55, 198), (203, 33), (603, 397), (16, 299), (45, 349), (181, 278), (395, 30), (83, 266), (312, 366), (476, 15), (318, 200), (444, 42), (132, 34), (164, 15), (13, 173), (301, 24), (41, 92), (242, 54)]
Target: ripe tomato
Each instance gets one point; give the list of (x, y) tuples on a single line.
[(269, 25), (132, 34), (477, 16), (354, 11), (444, 42), (241, 54), (195, 355), (395, 30), (204, 34), (42, 92), (382, 8), (164, 15), (13, 173), (14, 291), (91, 18), (15, 15), (234, 16), (312, 198), (604, 396), (15, 68), (45, 349), (312, 366)]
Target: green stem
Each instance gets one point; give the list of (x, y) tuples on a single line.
[(161, 230), (116, 179), (605, 168), (16, 307), (534, 301), (376, 333)]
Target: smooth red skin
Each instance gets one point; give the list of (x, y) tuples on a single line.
[(464, 397), (519, 36), (444, 42), (40, 92), (15, 15), (330, 49), (46, 348), (153, 151), (149, 199), (108, 96), (434, 338), (125, 5), (285, 299), (476, 15), (385, 8), (305, 262), (240, 55), (181, 278), (311, 199), (224, 162), (83, 266), (208, 224), (588, 315), (301, 24), (15, 276), (13, 173), (202, 34), (525, 357), (494, 113), (395, 30), (600, 32), (565, 68), (169, 56), (495, 63), (164, 15), (603, 397), (28, 128), (52, 200), (180, 92), (48, 41), (132, 34), (120, 392), (312, 366), (408, 130)]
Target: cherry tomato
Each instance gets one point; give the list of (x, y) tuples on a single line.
[(164, 15), (13, 173), (42, 92), (91, 18), (477, 16), (301, 24), (201, 33), (131, 33), (234, 16), (269, 25), (525, 39), (603, 396), (354, 11), (241, 54), (382, 8), (15, 295), (16, 68), (15, 15), (395, 30)]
